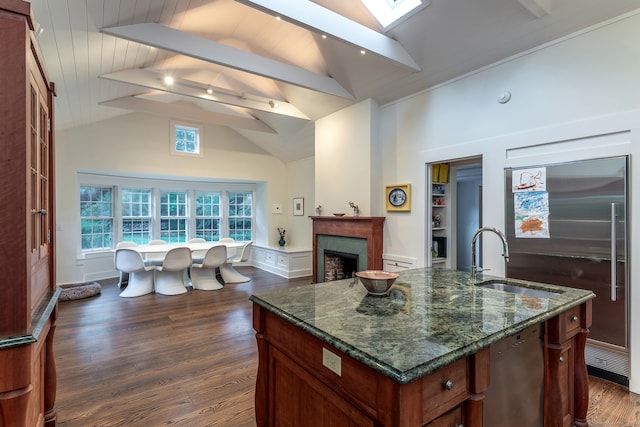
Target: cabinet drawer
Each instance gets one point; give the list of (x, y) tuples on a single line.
[(452, 418), (566, 325), (571, 322), (445, 388)]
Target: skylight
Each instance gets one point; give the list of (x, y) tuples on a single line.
[(392, 12)]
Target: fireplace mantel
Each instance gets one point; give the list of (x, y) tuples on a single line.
[(364, 227)]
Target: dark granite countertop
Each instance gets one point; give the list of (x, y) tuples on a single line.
[(431, 318)]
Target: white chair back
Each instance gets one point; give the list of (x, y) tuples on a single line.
[(128, 260), (177, 259), (215, 256), (246, 251), (226, 239), (197, 240), (125, 244)]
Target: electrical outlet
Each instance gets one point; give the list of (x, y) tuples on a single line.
[(332, 362)]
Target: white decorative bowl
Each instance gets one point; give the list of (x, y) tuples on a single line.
[(377, 282)]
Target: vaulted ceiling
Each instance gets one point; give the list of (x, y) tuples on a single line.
[(269, 79)]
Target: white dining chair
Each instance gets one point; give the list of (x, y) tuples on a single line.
[(228, 273), (198, 256), (155, 259), (203, 276), (124, 277), (140, 275), (170, 276), (230, 251)]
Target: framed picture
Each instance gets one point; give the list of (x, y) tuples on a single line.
[(298, 206), (398, 197)]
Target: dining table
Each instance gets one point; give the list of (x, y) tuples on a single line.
[(193, 246)]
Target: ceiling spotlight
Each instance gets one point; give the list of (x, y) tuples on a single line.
[(324, 36), (168, 80), (209, 90), (362, 52), (272, 103)]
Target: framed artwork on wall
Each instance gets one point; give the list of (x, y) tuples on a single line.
[(398, 197), (298, 206)]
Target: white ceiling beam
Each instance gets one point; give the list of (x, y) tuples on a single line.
[(186, 112), (200, 48), (539, 8), (316, 18), (154, 80)]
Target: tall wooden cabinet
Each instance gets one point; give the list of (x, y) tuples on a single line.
[(28, 295)]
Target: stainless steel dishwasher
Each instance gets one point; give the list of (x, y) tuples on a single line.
[(516, 390)]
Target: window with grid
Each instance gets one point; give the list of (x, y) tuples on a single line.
[(208, 216), (96, 217), (240, 216), (186, 138), (173, 217), (136, 215)]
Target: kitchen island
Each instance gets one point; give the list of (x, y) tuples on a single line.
[(331, 354)]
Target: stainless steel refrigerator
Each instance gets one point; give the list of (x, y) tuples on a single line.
[(576, 235)]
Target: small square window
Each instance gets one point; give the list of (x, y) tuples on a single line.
[(185, 138)]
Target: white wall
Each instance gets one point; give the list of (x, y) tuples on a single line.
[(301, 182), (139, 144), (347, 160)]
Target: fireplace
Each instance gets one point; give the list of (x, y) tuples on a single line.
[(361, 236), (339, 265)]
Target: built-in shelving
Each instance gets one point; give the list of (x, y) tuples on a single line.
[(439, 205)]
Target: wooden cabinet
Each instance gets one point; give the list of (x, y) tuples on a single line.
[(28, 295), (566, 378), (305, 381)]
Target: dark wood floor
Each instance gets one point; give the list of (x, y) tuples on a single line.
[(191, 360)]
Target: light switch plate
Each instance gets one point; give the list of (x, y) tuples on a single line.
[(276, 208), (332, 362)]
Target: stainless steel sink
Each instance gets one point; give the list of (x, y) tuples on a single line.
[(505, 286)]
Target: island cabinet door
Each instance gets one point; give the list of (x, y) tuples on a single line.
[(566, 380), (299, 399)]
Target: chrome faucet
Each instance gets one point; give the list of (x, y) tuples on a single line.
[(505, 249)]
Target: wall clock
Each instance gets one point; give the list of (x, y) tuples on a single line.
[(398, 197)]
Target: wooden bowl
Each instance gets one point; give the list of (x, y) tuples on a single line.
[(377, 282)]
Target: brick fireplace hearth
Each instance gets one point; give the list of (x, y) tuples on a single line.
[(350, 235)]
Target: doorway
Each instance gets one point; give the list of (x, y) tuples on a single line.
[(456, 213), (468, 208)]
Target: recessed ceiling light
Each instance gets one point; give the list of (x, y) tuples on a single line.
[(362, 52), (168, 80), (209, 90)]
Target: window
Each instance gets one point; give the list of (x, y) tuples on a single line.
[(186, 138), (96, 217), (240, 216), (173, 217), (391, 12), (136, 215), (117, 208), (208, 216)]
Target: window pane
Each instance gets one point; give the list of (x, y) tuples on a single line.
[(240, 216), (173, 216), (208, 216), (96, 217), (136, 221), (187, 139)]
